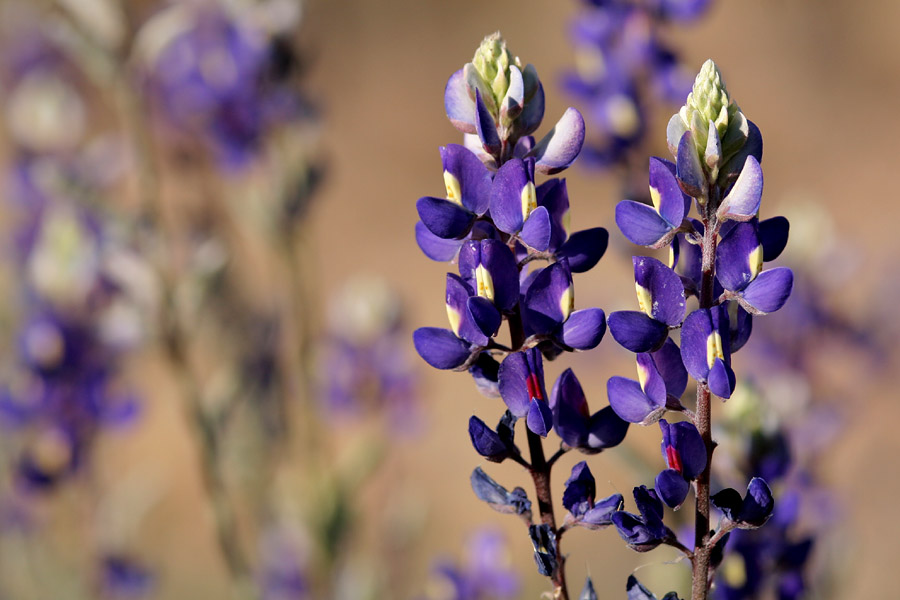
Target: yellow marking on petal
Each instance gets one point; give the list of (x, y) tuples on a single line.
[(654, 197), (714, 349), (643, 375), (567, 222), (645, 301), (756, 262), (455, 318), (671, 256), (453, 191), (734, 570), (484, 282), (567, 302), (529, 199)]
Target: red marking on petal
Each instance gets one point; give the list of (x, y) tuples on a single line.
[(673, 458), (534, 387)]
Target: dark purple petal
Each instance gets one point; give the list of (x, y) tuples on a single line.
[(742, 201), (554, 195), (628, 400), (668, 362), (758, 504), (482, 321), (667, 198), (636, 331), (459, 104), (651, 380), (672, 487), (689, 170), (694, 335), (548, 302), (533, 113), (440, 348), (444, 218), (753, 146), (469, 173), (506, 195), (455, 297), (536, 230), (770, 290), (773, 234), (605, 430), (434, 247), (584, 329), (513, 376), (523, 146), (497, 496), (739, 257), (721, 379), (741, 323), (498, 279), (728, 501), (485, 372), (539, 418), (683, 448), (486, 441), (641, 224), (584, 249), (571, 415), (562, 145), (580, 490), (485, 126), (660, 291)]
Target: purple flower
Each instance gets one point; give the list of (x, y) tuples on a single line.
[(549, 310), (496, 446), (706, 349), (656, 225), (522, 389), (739, 268), (662, 380), (646, 531), (636, 591), (661, 299), (574, 423), (750, 512), (685, 454), (468, 184), (578, 499)]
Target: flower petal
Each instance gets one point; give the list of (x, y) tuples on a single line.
[(606, 430), (672, 487), (434, 247), (584, 249), (549, 298), (667, 197), (689, 170), (628, 400), (660, 290), (584, 329), (506, 195), (485, 126), (668, 361), (458, 104), (444, 218), (562, 145), (440, 348), (536, 230), (739, 256), (773, 234), (768, 292), (473, 177), (539, 418), (641, 224), (742, 201), (636, 331)]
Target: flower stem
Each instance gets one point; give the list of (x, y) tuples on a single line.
[(702, 549), (540, 474)]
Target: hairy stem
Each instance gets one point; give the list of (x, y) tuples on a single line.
[(702, 549), (540, 474)]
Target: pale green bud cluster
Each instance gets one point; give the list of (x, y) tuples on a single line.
[(492, 61), (504, 84), (718, 126)]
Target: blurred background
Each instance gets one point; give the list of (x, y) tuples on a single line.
[(209, 386)]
